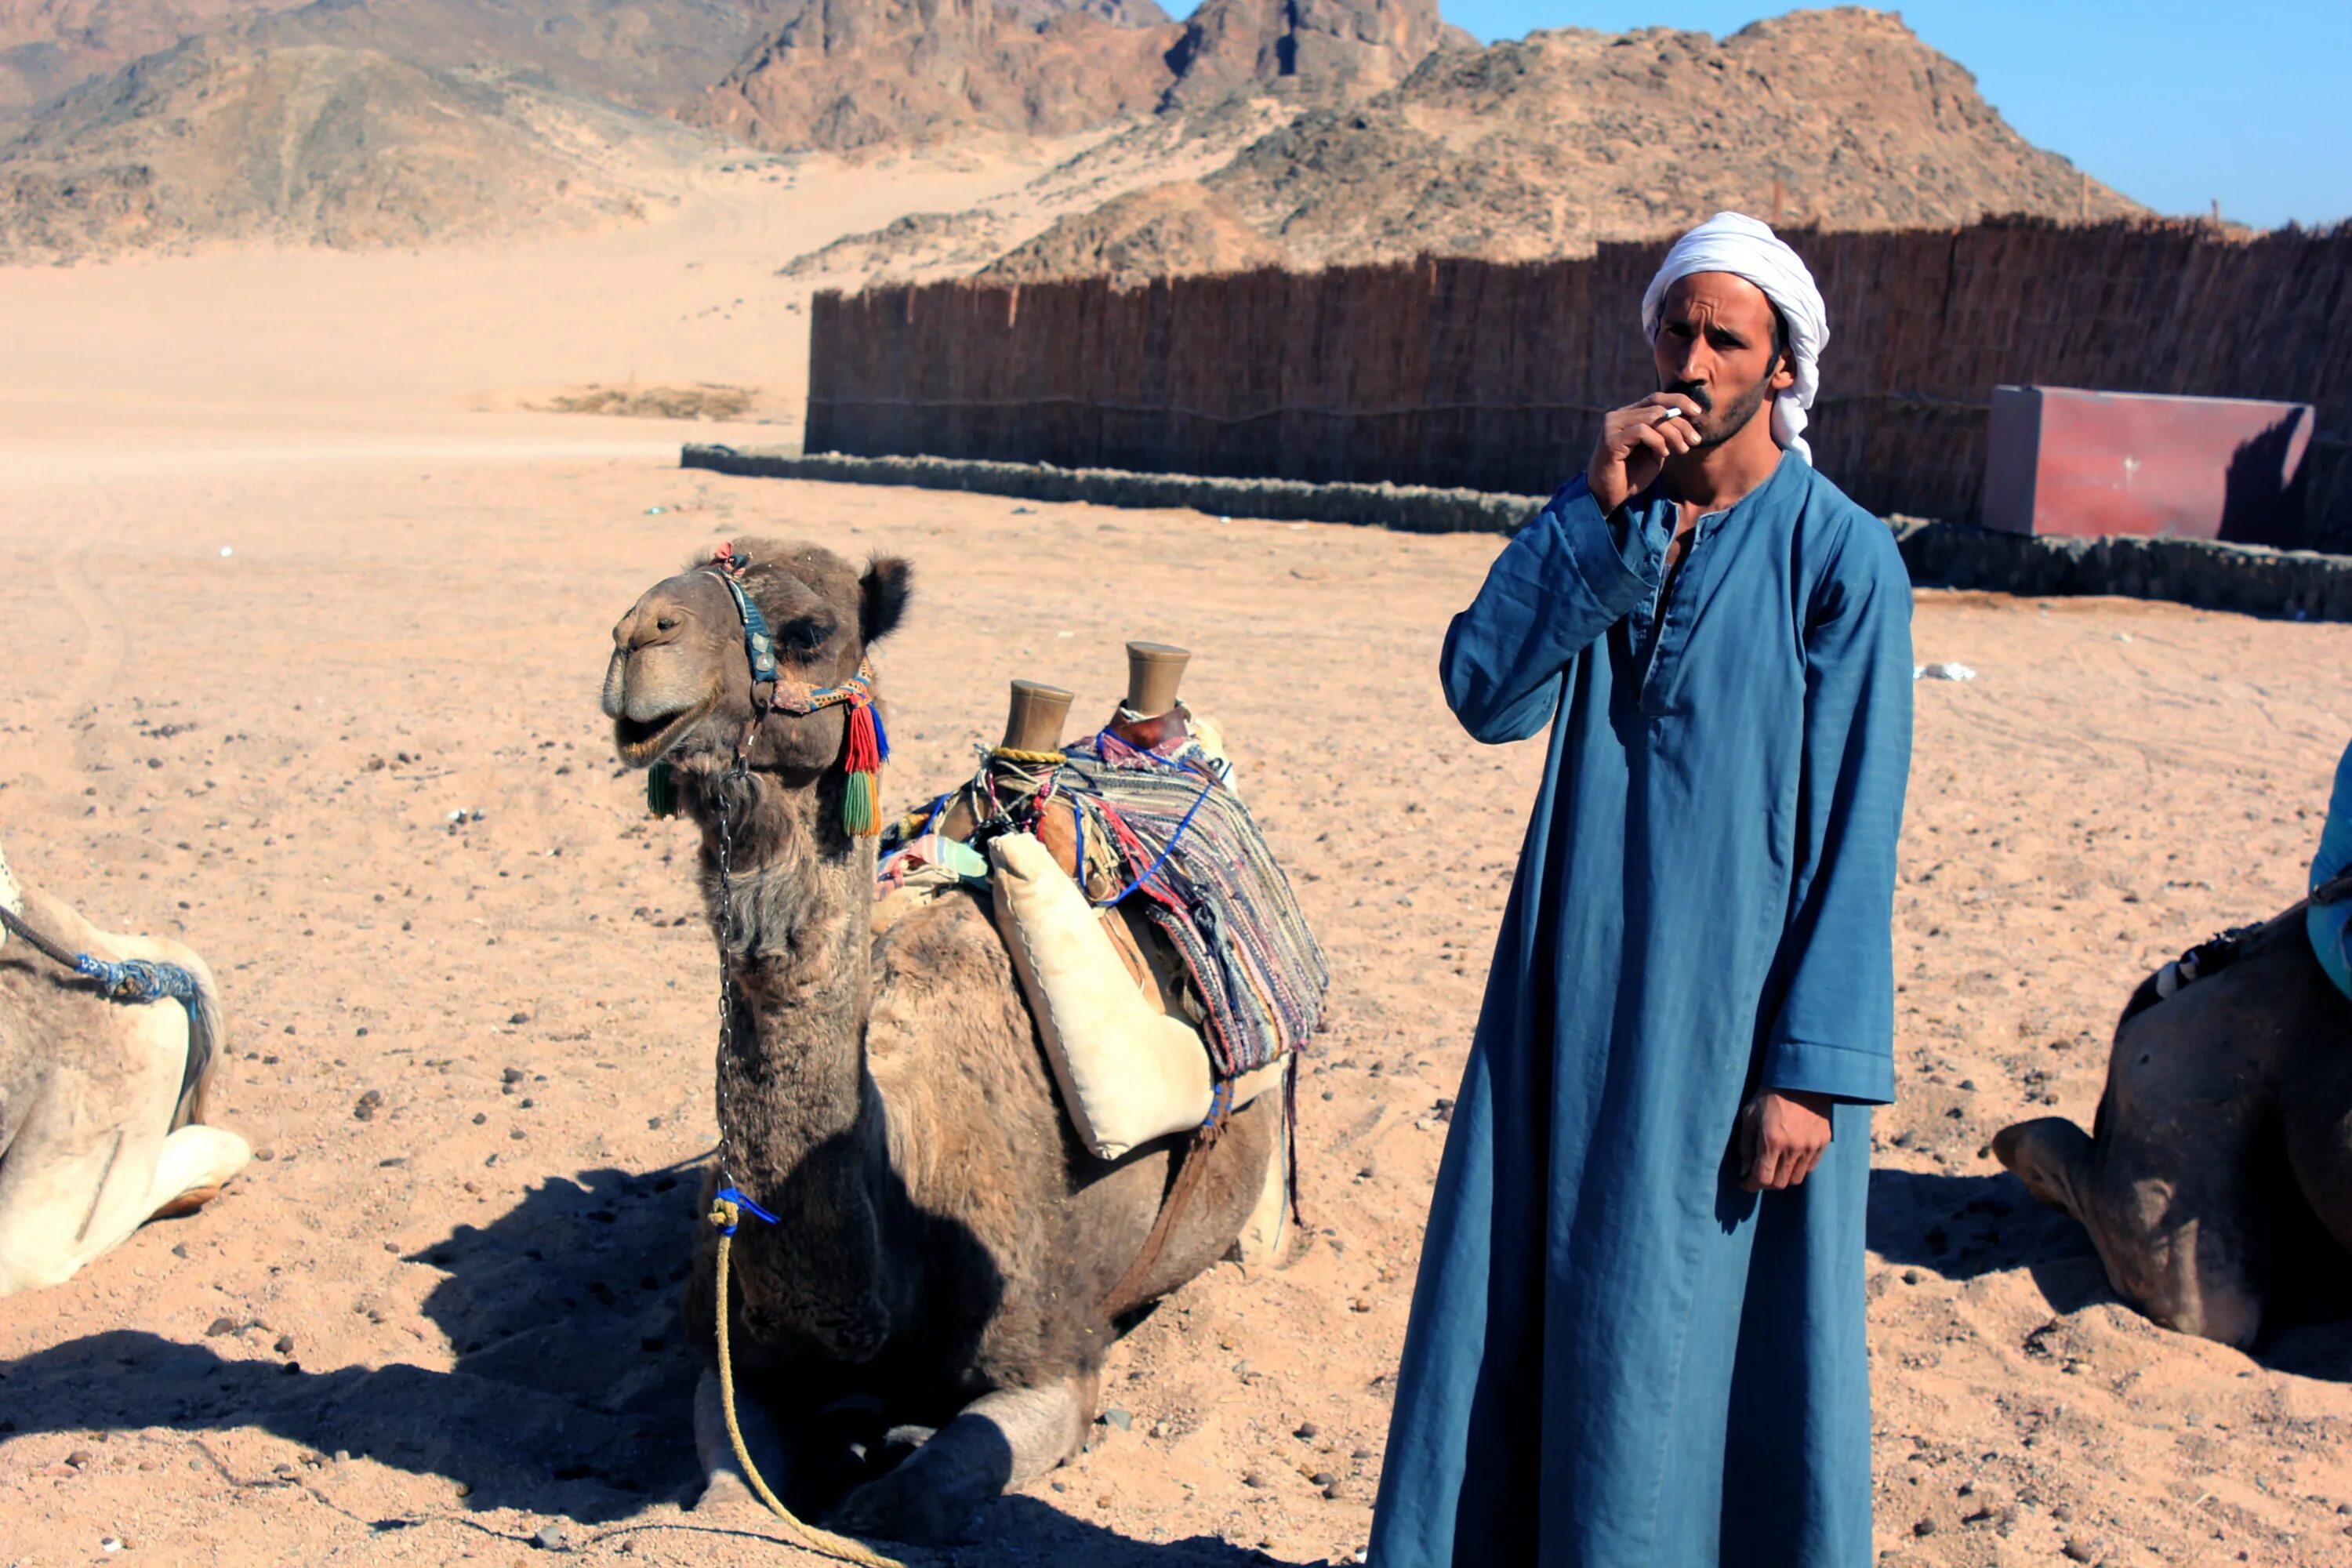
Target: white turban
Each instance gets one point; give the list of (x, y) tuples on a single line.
[(1738, 244)]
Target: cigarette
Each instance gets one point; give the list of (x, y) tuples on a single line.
[(1671, 413)]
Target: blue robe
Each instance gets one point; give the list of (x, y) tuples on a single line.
[(2328, 924), (1618, 1358)]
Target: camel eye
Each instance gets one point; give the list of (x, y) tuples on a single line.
[(666, 624), (803, 638)]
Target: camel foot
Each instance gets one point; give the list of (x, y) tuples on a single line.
[(194, 1166), (186, 1203), (724, 1484), (997, 1440), (903, 1505), (2048, 1154)]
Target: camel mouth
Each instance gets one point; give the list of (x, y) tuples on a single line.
[(641, 742)]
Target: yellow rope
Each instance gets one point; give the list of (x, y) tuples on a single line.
[(1035, 759), (724, 1215)]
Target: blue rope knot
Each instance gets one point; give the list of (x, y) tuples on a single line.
[(137, 980), (742, 1200)]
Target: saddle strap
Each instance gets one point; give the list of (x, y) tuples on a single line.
[(153, 982), (1192, 1165), (41, 944)]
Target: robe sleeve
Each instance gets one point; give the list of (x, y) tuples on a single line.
[(1564, 579), (1834, 1032)]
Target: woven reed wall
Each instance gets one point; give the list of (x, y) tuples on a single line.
[(1490, 375)]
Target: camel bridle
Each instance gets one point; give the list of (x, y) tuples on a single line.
[(795, 698)]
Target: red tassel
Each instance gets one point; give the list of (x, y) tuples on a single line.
[(864, 742)]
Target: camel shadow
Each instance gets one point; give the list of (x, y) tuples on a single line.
[(571, 1394), (574, 1292), (513, 1447), (1964, 1226), (572, 1391), (1023, 1529)]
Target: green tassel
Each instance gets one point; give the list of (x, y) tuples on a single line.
[(661, 790), (857, 806)]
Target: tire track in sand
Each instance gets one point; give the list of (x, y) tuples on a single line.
[(105, 649)]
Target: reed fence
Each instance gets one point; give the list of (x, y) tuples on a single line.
[(1490, 375)]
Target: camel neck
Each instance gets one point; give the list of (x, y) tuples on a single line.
[(792, 1082)]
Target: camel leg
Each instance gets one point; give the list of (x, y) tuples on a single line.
[(724, 1482), (193, 1166), (2051, 1155), (2181, 1240), (998, 1440)]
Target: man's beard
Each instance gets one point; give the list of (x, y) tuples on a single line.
[(1713, 431)]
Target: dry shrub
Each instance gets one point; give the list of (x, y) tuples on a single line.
[(703, 400)]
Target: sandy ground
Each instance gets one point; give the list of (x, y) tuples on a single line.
[(431, 1334)]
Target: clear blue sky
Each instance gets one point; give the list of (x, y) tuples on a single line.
[(2173, 102)]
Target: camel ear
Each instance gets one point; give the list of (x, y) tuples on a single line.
[(888, 583)]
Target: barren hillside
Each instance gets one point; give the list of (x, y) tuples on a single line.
[(647, 54), (48, 45), (1547, 145), (852, 73), (1180, 227), (1381, 132), (309, 145)]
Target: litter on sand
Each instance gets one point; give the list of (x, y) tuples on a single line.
[(1942, 672)]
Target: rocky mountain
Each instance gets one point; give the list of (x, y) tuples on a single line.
[(48, 45), (382, 121), (1547, 145), (1180, 227), (313, 144), (1118, 13), (852, 73), (1329, 48), (646, 54)]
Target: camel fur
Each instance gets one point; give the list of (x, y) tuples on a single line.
[(2220, 1159), (922, 1327), (96, 1138)]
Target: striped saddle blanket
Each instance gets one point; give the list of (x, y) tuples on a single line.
[(1192, 853)]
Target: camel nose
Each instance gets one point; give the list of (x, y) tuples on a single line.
[(649, 624)]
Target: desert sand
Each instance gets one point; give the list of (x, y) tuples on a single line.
[(306, 611)]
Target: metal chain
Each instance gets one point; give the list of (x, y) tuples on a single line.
[(738, 772)]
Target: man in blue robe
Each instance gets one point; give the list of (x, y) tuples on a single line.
[(1638, 1339)]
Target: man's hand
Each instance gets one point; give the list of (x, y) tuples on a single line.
[(1633, 446), (1782, 1136)]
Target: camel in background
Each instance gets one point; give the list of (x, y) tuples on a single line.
[(2221, 1154), (942, 1247), (101, 1103)]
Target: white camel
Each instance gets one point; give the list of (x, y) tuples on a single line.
[(101, 1103)]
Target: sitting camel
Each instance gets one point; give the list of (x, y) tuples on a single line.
[(935, 1274), (101, 1103), (2223, 1149)]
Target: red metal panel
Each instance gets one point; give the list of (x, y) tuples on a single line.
[(2060, 460)]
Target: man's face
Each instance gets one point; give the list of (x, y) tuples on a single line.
[(1715, 347)]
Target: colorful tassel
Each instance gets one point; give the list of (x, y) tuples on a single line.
[(858, 808), (661, 790), (865, 752), (861, 809)]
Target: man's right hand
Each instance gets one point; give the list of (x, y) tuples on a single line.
[(1633, 446)]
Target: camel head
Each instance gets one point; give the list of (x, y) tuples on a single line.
[(679, 685)]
